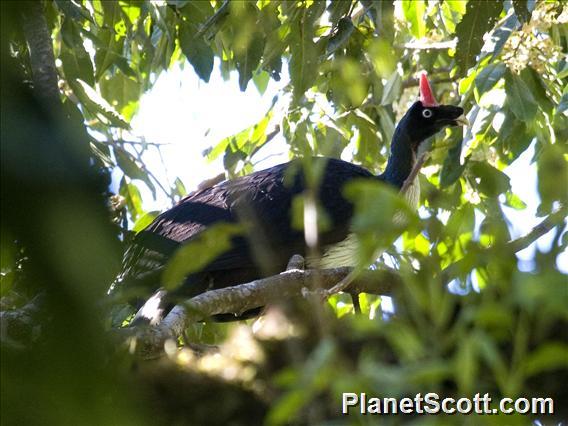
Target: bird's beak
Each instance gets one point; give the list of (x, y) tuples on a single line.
[(462, 120)]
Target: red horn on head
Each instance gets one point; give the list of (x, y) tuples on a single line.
[(426, 95)]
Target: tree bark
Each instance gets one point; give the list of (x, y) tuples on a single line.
[(42, 59), (149, 341)]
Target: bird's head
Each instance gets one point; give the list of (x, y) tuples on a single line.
[(426, 117)]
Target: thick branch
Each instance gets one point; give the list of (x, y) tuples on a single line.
[(238, 299), (42, 58)]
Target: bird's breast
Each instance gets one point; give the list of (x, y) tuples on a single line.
[(344, 253), (412, 194)]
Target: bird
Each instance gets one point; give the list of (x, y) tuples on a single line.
[(264, 199)]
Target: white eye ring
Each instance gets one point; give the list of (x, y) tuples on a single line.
[(427, 113)]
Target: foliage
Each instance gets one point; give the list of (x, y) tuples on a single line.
[(352, 67)]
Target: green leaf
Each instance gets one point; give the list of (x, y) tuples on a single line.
[(470, 31), (386, 123), (563, 104), (131, 168), (348, 86), (75, 60), (77, 64), (275, 34), (180, 187), (96, 104), (549, 356), (537, 88), (368, 143), (452, 169), (519, 97), (260, 80), (196, 49), (414, 11), (381, 215), (245, 37), (143, 221), (109, 51), (513, 201), (489, 180), (383, 57), (304, 52), (247, 59), (122, 92), (314, 375), (502, 33), (489, 76), (133, 198), (392, 89), (466, 364), (514, 137), (197, 253), (552, 175), (461, 221), (452, 12)]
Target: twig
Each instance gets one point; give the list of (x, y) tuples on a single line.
[(341, 285), (135, 143), (554, 219), (539, 230), (269, 137), (412, 82), (220, 14), (414, 172)]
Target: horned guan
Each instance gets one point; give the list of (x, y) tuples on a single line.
[(264, 199)]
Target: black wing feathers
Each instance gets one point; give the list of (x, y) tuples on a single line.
[(263, 200)]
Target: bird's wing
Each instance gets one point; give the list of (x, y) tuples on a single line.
[(153, 246), (263, 200)]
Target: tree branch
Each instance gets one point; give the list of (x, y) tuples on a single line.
[(42, 59), (521, 243), (538, 231), (413, 82), (149, 341), (214, 20)]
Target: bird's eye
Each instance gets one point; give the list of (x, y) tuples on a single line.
[(427, 113)]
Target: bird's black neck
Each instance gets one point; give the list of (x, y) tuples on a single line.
[(401, 159)]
